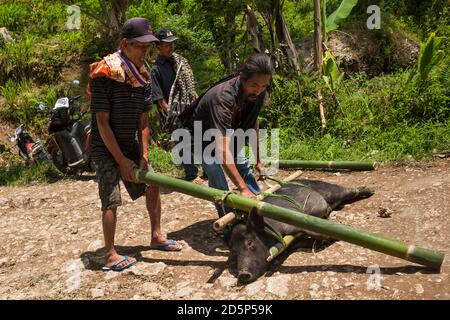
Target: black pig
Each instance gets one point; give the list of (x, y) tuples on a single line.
[(249, 244)]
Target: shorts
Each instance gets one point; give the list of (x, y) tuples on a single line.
[(108, 176)]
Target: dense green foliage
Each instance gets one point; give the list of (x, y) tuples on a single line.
[(399, 115), (18, 174)]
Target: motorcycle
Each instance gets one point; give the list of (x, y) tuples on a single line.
[(30, 151), (69, 139)]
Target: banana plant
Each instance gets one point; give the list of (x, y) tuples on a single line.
[(429, 56), (339, 15), (333, 21), (331, 73), (332, 76)]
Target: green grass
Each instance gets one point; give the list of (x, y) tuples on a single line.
[(17, 174), (161, 162), (21, 104), (400, 144)]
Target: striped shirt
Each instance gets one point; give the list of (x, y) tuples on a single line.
[(125, 105)]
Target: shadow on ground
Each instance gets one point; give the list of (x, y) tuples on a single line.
[(201, 238)]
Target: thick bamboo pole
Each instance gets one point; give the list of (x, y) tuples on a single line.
[(221, 223), (324, 227), (307, 164)]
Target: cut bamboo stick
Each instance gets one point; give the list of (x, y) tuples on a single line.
[(311, 164)]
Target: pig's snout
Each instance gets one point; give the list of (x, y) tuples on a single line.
[(244, 277)]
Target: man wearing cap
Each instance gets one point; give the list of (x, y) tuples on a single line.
[(120, 90), (173, 87)]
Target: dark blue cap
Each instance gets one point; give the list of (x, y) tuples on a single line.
[(165, 35), (138, 29)]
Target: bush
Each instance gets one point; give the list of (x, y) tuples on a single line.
[(29, 59), (15, 16), (383, 118), (22, 104), (37, 16)]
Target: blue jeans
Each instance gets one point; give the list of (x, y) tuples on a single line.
[(190, 171), (217, 179)]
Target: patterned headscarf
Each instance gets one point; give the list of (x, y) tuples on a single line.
[(118, 68)]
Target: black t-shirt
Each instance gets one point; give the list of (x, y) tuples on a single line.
[(125, 105), (224, 107), (163, 75)]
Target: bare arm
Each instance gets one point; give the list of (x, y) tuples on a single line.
[(255, 146), (126, 165), (259, 165), (163, 105), (229, 166), (143, 135)]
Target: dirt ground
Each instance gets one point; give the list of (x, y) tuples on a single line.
[(52, 245)]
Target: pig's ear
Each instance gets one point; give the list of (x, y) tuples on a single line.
[(255, 222)]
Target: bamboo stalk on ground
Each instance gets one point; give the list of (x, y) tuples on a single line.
[(222, 222), (324, 227), (311, 164)]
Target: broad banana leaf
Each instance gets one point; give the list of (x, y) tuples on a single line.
[(340, 14), (331, 73)]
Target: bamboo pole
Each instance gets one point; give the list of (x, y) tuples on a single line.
[(310, 164), (324, 227), (277, 249), (323, 120), (222, 222)]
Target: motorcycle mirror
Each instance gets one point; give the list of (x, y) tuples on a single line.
[(42, 106)]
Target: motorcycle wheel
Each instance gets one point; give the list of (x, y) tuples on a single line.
[(25, 158), (91, 166), (59, 162)]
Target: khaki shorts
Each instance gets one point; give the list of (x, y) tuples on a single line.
[(108, 176)]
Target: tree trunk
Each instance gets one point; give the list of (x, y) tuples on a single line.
[(285, 40), (253, 29), (323, 12), (267, 19), (318, 52), (114, 18), (318, 57), (229, 45)]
